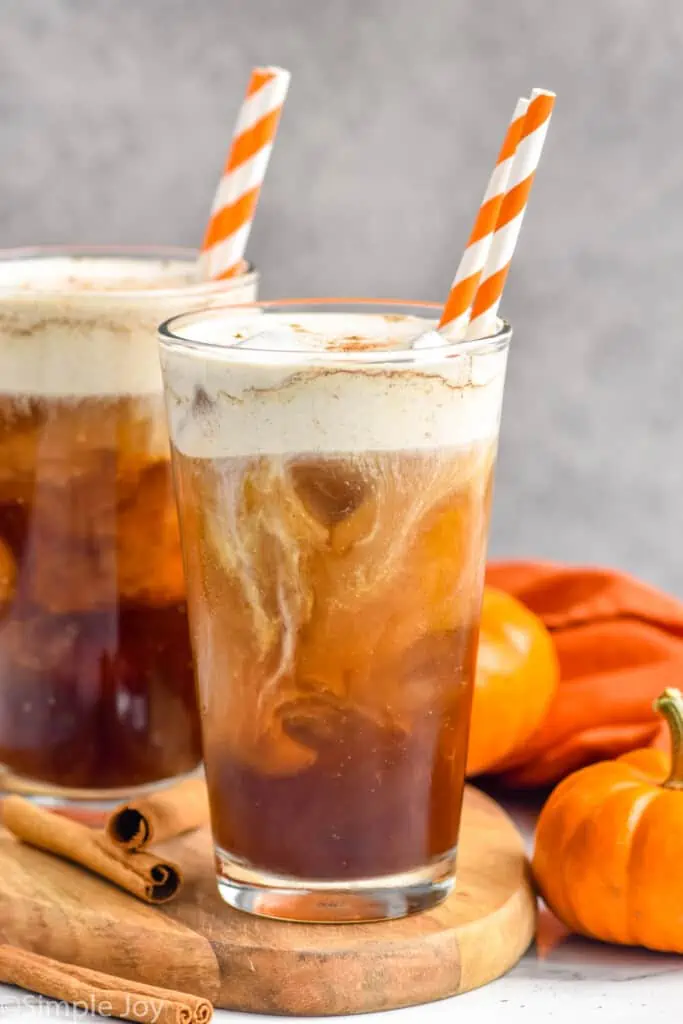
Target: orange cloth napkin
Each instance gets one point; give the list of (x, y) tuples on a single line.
[(619, 642)]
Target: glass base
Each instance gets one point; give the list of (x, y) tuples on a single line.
[(334, 902), (89, 806)]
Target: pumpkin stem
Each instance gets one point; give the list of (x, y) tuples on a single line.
[(670, 706)]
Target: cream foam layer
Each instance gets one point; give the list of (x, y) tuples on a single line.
[(74, 327), (95, 274), (327, 383)]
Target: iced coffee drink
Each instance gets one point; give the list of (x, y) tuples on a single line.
[(96, 685), (334, 469)]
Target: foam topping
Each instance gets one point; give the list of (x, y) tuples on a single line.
[(73, 327), (275, 383), (95, 274)]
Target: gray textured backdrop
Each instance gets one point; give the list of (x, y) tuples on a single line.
[(114, 122)]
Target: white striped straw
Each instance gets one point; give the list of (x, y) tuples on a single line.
[(456, 313), (232, 213), (489, 293)]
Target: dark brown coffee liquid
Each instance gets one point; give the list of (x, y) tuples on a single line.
[(96, 681), (98, 701), (377, 800), (335, 603)]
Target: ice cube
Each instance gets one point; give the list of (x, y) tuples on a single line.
[(280, 339), (429, 339), (331, 489)]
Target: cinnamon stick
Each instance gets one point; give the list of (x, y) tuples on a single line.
[(159, 816), (140, 874), (101, 993)]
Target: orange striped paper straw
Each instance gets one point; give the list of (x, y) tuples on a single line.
[(512, 210), (232, 213), (456, 312)]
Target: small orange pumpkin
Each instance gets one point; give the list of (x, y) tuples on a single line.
[(609, 845), (516, 678)]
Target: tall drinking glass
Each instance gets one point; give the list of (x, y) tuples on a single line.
[(97, 693), (333, 464)]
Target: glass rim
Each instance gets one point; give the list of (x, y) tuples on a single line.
[(186, 254), (171, 338)]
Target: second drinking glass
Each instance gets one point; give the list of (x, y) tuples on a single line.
[(96, 687), (333, 466)]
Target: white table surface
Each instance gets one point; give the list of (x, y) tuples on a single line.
[(576, 980)]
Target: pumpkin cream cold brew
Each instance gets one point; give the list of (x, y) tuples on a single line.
[(96, 684), (333, 487)]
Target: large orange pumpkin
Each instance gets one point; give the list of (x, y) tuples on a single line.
[(516, 678), (609, 845)]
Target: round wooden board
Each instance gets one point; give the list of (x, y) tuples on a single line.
[(199, 944)]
